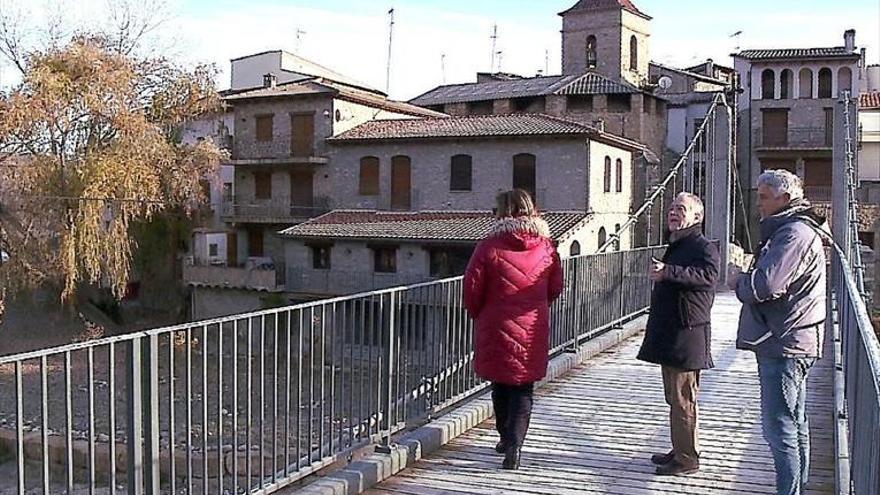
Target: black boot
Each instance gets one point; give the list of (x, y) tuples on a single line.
[(501, 447), (511, 458)]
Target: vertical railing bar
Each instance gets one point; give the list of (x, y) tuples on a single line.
[(351, 346), (44, 417), (204, 409), (19, 430), (188, 404), (362, 341), (311, 403), (369, 331), (172, 433), (91, 391), (262, 395), (111, 392), (235, 407), (249, 394), (287, 399), (322, 366), (299, 389), (330, 435), (219, 408), (275, 398), (68, 419), (134, 446)]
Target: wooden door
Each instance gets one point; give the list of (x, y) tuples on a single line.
[(775, 130), (255, 243), (302, 134), (232, 249), (401, 183)]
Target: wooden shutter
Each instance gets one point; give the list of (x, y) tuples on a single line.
[(264, 129), (263, 185), (461, 169), (302, 134), (401, 183), (369, 176), (524, 173)]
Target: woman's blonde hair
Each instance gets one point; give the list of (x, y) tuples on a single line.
[(515, 203)]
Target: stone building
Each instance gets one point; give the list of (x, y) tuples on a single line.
[(786, 113), (348, 251)]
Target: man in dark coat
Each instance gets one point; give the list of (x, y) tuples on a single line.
[(678, 336)]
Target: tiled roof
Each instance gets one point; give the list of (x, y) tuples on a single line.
[(604, 4), (463, 127), (340, 90), (786, 53), (584, 84), (448, 226), (870, 100)]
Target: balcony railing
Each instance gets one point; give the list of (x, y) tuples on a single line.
[(246, 277), (818, 193), (267, 211), (795, 138)]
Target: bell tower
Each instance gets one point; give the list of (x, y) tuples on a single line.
[(610, 37)]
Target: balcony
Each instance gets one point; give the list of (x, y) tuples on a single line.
[(818, 194), (252, 276), (250, 210), (797, 138), (280, 160)]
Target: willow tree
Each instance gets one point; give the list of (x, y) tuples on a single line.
[(89, 147)]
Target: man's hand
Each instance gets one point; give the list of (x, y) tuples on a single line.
[(733, 278), (658, 269)]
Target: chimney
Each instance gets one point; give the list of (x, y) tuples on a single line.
[(863, 59), (849, 40), (269, 80), (710, 67)]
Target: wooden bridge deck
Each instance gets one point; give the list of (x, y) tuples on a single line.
[(593, 432)]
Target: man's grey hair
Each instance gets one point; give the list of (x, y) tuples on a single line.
[(694, 200), (781, 182)]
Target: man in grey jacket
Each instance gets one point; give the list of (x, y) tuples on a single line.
[(783, 319)]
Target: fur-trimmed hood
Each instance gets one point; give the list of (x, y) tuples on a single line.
[(522, 232)]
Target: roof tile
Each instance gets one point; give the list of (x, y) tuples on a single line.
[(449, 226), (869, 101), (786, 53)]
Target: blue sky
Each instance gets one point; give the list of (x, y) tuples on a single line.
[(350, 36)]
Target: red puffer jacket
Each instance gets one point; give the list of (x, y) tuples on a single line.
[(513, 276)]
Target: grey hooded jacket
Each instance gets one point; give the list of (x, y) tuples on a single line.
[(783, 296)]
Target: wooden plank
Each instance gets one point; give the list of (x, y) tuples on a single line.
[(593, 431)]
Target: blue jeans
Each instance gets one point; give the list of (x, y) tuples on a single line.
[(784, 419)]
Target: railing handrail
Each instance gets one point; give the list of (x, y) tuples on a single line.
[(253, 314)]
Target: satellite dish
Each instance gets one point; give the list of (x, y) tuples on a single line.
[(664, 82)]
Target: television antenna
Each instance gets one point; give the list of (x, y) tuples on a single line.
[(494, 39)]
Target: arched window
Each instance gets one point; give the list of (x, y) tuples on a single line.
[(369, 176), (825, 82), (805, 84), (607, 174), (619, 175), (524, 172), (603, 236), (460, 173), (575, 249), (786, 83), (591, 52), (633, 53), (768, 81), (844, 80)]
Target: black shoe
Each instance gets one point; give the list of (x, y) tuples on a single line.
[(501, 447), (511, 458), (677, 468), (661, 459)]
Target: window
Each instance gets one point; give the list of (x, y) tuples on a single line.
[(619, 175), (369, 176), (825, 83), (647, 104), (227, 191), (805, 84), (619, 103), (255, 243), (844, 80), (529, 105), (264, 128), (786, 84), (449, 261), (768, 81), (460, 170), (591, 52), (575, 249), (481, 107), (603, 236), (579, 103), (633, 53), (321, 257), (213, 249), (524, 173), (607, 174), (263, 185), (385, 259)]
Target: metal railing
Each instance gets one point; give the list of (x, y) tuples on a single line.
[(252, 403), (795, 137)]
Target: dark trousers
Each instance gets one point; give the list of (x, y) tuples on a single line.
[(513, 410)]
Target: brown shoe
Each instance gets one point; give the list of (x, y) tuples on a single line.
[(661, 459), (678, 468)]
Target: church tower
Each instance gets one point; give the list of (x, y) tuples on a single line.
[(608, 36)]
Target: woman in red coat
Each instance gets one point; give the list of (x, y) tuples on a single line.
[(512, 278)]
